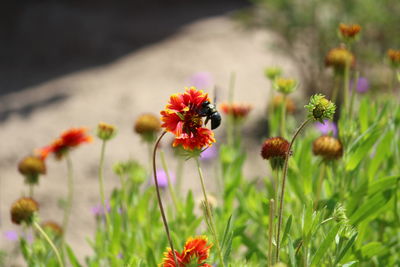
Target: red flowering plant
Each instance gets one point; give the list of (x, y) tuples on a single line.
[(195, 253), (181, 117), (69, 139)]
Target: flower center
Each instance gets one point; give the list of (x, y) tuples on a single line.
[(191, 122)]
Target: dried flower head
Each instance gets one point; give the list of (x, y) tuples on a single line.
[(290, 105), (68, 140), (327, 147), (106, 131), (31, 167), (394, 58), (181, 117), (23, 210), (276, 150), (349, 32), (320, 108), (53, 227), (339, 58), (237, 111), (212, 202), (147, 126), (272, 73), (195, 253), (284, 85)]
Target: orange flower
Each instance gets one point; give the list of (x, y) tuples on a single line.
[(394, 57), (181, 117), (237, 111), (69, 139), (339, 58), (195, 253), (349, 31)]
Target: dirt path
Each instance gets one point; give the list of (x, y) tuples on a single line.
[(117, 93)]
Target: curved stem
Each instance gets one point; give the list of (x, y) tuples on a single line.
[(209, 214), (101, 184), (160, 205), (170, 187), (31, 190), (285, 169), (46, 237)]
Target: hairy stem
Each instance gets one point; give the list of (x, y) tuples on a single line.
[(271, 231), (101, 184), (209, 214), (160, 205), (285, 169), (53, 247)]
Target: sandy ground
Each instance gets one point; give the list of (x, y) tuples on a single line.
[(117, 93)]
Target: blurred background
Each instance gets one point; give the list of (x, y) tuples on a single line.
[(75, 63)]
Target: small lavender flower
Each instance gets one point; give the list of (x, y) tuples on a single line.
[(326, 127), (362, 85), (98, 209), (209, 154), (163, 179), (201, 80), (11, 235)]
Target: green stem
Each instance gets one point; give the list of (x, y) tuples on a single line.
[(346, 80), (179, 173), (160, 205), (209, 214), (283, 116), (353, 93), (170, 187), (319, 186), (271, 231), (70, 196), (46, 237), (31, 190), (285, 169), (335, 88), (101, 183), (393, 82)]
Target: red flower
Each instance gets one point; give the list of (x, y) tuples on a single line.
[(237, 111), (181, 117), (69, 139), (196, 251)]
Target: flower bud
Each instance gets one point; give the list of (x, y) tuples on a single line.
[(320, 108), (147, 125), (327, 147), (23, 210), (106, 131), (53, 227), (276, 150), (285, 86), (290, 105), (31, 167), (272, 73), (339, 58)]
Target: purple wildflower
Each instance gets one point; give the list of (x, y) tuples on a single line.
[(362, 85), (98, 209), (326, 127), (163, 179), (209, 154), (11, 235), (201, 80)]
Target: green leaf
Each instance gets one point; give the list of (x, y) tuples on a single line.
[(371, 207), (287, 229), (72, 258), (328, 241), (383, 184), (363, 114), (373, 249), (382, 150), (292, 257), (348, 245), (349, 264), (361, 148)]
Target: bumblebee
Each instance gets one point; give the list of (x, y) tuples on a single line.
[(209, 111)]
